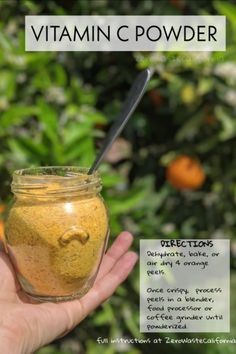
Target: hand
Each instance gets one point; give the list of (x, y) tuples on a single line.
[(27, 326)]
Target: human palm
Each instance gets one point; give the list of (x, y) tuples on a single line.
[(26, 325)]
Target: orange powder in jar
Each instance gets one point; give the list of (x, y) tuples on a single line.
[(56, 231)]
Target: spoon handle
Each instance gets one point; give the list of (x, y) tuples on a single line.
[(134, 96)]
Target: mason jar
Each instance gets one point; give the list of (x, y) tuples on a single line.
[(56, 231)]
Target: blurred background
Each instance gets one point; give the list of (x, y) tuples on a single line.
[(172, 173)]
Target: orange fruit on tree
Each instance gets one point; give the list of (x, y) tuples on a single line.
[(185, 172), (156, 98), (2, 208), (210, 120), (1, 230), (2, 237), (179, 4)]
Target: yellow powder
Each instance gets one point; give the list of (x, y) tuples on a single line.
[(57, 245)]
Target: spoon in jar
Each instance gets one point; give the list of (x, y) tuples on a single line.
[(135, 94)]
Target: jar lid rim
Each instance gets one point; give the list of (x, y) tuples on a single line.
[(27, 171), (54, 180)]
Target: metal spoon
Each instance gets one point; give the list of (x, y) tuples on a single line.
[(134, 96)]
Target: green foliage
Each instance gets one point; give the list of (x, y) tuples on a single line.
[(56, 107), (51, 350)]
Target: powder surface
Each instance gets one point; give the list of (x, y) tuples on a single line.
[(44, 243)]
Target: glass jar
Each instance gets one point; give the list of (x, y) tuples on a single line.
[(56, 231)]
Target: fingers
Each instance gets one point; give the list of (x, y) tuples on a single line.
[(103, 289), (118, 248), (7, 275), (116, 266)]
